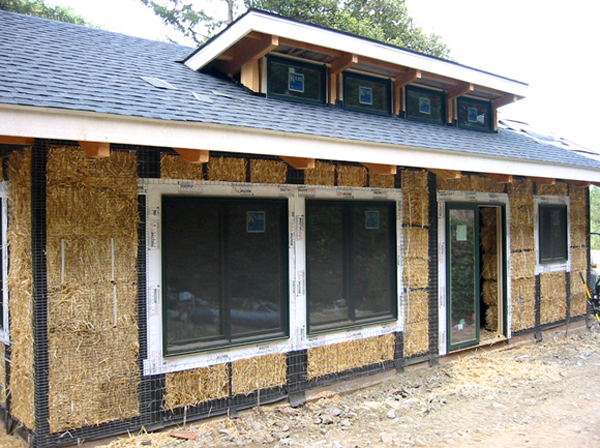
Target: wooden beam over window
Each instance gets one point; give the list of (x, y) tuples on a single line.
[(578, 183), (95, 150), (447, 174), (500, 178), (194, 155), (26, 141), (300, 163), (246, 51), (543, 180), (341, 64), (504, 100), (381, 169), (406, 78), (460, 89)]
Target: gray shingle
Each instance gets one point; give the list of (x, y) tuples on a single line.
[(57, 65)]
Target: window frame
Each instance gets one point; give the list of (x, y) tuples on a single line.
[(359, 76), (4, 329), (464, 99), (555, 264), (348, 265), (437, 93), (300, 64)]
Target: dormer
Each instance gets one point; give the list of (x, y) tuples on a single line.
[(287, 59)]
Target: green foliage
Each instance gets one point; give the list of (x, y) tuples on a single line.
[(38, 8), (386, 21), (595, 216)]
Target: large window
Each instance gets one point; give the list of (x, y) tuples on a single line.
[(553, 233), (294, 80), (225, 270), (367, 93), (351, 265), (474, 114), (425, 104)]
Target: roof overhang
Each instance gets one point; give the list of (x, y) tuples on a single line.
[(255, 26), (21, 121)]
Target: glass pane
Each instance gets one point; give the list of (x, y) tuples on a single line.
[(424, 104), (257, 264), (373, 254), (463, 249), (474, 114), (364, 93), (297, 81), (192, 275), (325, 262), (553, 233)]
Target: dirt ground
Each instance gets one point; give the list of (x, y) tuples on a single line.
[(544, 395)]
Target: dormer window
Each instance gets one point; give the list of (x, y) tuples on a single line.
[(367, 93), (295, 80), (425, 104), (474, 114)]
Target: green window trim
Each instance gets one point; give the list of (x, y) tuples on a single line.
[(553, 234), (370, 94), (294, 80), (474, 114), (425, 105)]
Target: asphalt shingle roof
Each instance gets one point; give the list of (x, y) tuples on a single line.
[(51, 64)]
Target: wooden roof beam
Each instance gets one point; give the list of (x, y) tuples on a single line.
[(543, 180), (447, 174), (406, 78), (341, 64), (300, 163), (504, 100), (193, 155), (311, 47), (95, 150), (378, 168), (458, 90), (26, 141), (578, 183), (500, 178), (248, 50)]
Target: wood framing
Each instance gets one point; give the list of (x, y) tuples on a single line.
[(578, 183), (447, 174), (341, 64), (381, 169), (194, 155), (6, 140), (95, 150), (300, 163), (500, 178), (543, 180), (246, 51), (458, 90)]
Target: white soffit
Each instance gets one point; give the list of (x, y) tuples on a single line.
[(289, 29)]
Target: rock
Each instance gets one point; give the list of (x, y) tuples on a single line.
[(409, 402), (388, 439), (334, 411), (391, 414), (256, 426)]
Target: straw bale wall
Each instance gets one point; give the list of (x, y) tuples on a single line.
[(470, 182), (553, 297), (523, 303), (489, 268), (522, 214), (248, 375), (2, 376), (192, 387), (381, 180), (227, 169), (92, 288), (558, 189), (579, 221), (348, 355), (268, 171), (351, 176), (322, 174), (415, 256), (173, 166), (20, 283)]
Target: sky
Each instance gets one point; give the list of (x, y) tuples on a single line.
[(550, 45)]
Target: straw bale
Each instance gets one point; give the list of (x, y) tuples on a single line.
[(579, 205), (417, 306), (489, 266), (381, 180), (227, 169), (523, 264), (490, 292), (578, 296), (192, 387), (471, 182), (248, 375), (2, 375), (20, 283), (523, 290), (485, 184), (578, 235), (558, 189), (520, 194), (173, 166), (488, 234), (522, 237), (322, 174), (268, 171), (351, 176), (416, 338), (523, 314), (92, 312), (553, 297), (461, 184), (349, 355), (491, 318), (579, 259), (415, 197), (415, 273), (416, 242)]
